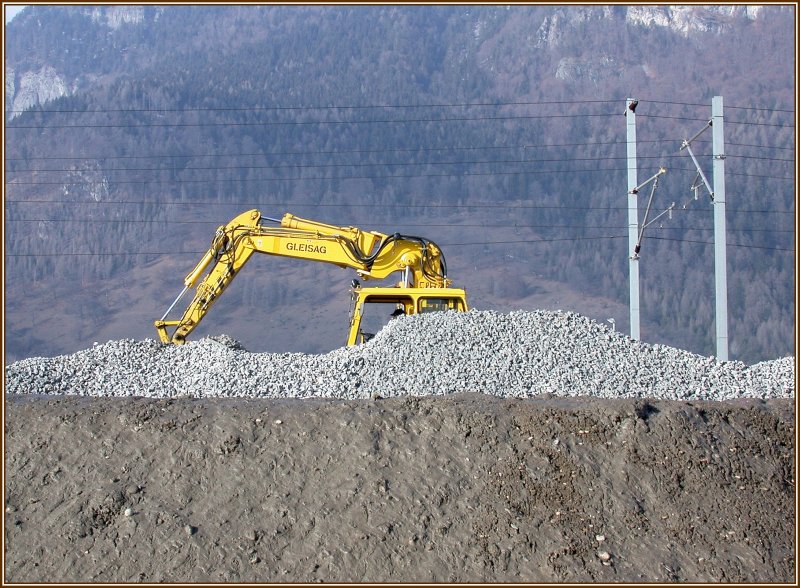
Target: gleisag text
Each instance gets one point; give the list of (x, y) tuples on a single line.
[(306, 247)]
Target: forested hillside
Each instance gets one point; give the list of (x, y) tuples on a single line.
[(132, 133)]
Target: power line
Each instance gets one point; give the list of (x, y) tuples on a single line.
[(726, 106), (86, 254), (327, 178), (329, 152), (332, 165), (385, 106), (729, 144), (339, 151), (610, 237), (378, 164), (294, 123), (760, 109), (430, 225), (673, 117), (323, 204), (331, 107), (727, 121), (370, 205), (512, 242), (373, 177), (758, 124), (335, 165), (533, 241), (728, 244), (760, 211), (729, 173), (672, 103), (760, 158)]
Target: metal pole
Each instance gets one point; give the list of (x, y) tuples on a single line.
[(633, 216), (720, 239)]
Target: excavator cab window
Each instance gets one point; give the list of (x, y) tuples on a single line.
[(439, 304), (377, 313)]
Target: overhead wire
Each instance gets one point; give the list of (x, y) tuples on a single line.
[(706, 105), (318, 178), (360, 205), (738, 156), (335, 165), (728, 244), (393, 106), (727, 121), (428, 225), (68, 182), (443, 244), (380, 163), (523, 146), (69, 254), (729, 143), (293, 123), (758, 124), (451, 119), (328, 107)]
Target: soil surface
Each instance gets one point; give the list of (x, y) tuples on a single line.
[(464, 488)]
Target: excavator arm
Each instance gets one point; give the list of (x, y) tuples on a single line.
[(372, 255)]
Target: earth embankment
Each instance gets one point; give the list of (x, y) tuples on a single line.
[(459, 488)]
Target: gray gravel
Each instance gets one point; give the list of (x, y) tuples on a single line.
[(517, 354)]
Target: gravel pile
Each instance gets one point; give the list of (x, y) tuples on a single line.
[(517, 354)]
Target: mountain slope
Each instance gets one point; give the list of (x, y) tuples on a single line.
[(175, 119)]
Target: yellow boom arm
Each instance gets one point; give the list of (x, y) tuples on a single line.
[(373, 255)]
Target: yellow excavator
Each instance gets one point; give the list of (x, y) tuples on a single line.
[(423, 287)]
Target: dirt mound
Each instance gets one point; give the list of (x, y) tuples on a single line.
[(462, 488)]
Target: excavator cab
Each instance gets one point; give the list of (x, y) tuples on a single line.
[(374, 307)]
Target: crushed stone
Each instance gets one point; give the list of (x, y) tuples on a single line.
[(516, 354)]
